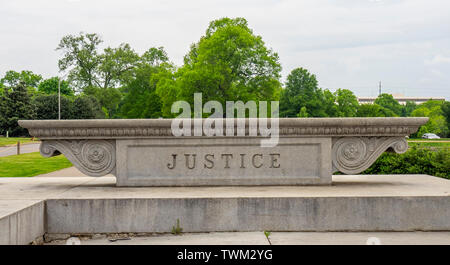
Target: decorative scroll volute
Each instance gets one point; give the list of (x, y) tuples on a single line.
[(92, 157), (352, 155)]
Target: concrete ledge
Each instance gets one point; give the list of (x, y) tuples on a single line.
[(33, 206), (21, 221), (249, 214)]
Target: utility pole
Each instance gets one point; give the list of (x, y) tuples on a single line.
[(59, 98), (59, 94), (379, 88)]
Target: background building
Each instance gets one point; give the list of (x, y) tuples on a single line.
[(400, 98)]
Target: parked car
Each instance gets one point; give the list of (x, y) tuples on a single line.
[(430, 136)]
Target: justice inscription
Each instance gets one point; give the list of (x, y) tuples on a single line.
[(225, 160)]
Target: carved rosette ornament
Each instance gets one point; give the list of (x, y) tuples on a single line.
[(92, 157), (352, 155)]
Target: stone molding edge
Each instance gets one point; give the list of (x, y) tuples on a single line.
[(120, 129), (353, 155), (92, 157)]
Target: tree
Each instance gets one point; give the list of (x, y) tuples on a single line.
[(436, 123), (302, 91), (329, 103), (15, 105), (80, 57), (50, 86), (46, 107), (446, 112), (109, 98), (28, 78), (373, 110), (142, 100), (87, 107), (116, 65), (347, 103), (229, 62), (387, 101), (79, 107), (303, 113), (408, 108)]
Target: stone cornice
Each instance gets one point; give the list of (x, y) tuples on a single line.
[(146, 128)]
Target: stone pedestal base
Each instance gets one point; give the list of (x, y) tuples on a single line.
[(30, 207)]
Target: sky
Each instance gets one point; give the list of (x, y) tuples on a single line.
[(352, 44)]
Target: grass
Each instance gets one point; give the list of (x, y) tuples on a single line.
[(13, 140), (421, 139), (432, 145), (31, 164)]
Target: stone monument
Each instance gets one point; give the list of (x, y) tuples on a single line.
[(146, 153)]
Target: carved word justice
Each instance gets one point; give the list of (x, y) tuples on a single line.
[(210, 161)]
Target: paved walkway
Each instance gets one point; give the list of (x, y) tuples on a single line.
[(67, 172), (276, 238), (24, 148)]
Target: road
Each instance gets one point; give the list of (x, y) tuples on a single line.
[(24, 148)]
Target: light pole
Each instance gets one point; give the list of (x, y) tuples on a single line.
[(59, 96)]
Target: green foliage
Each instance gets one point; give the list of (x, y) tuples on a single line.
[(177, 230), (228, 63), (27, 78), (108, 97), (80, 107), (142, 99), (347, 103), (116, 65), (15, 104), (302, 91), (50, 86), (387, 101), (87, 107), (329, 103), (303, 113), (373, 110), (446, 113), (46, 107), (267, 234), (408, 108), (166, 89), (436, 123), (80, 57), (414, 161)]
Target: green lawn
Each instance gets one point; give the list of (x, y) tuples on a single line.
[(434, 144), (421, 139), (31, 164), (13, 140)]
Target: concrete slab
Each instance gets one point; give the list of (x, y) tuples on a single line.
[(37, 188), (278, 238), (343, 186), (66, 172), (21, 221), (352, 203), (104, 187)]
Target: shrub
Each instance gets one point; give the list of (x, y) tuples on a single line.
[(414, 161)]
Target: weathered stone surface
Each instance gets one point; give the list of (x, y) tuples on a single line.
[(184, 162), (143, 152), (21, 221), (79, 205)]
